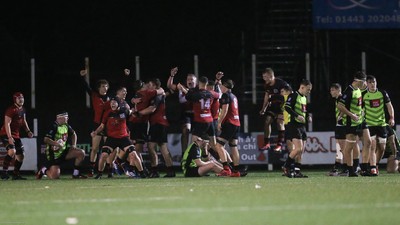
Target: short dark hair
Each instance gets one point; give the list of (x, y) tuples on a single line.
[(287, 88), (360, 75), (156, 81), (336, 86), (211, 83), (137, 85), (229, 84), (269, 70), (101, 82), (305, 82), (371, 77), (203, 79)]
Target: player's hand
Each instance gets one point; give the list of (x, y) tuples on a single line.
[(83, 72), (93, 134), (11, 140), (391, 122), (30, 134), (127, 72), (301, 119), (262, 112), (174, 71), (219, 75), (179, 86), (136, 100)]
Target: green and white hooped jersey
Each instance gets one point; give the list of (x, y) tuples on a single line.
[(298, 103), (374, 107), (352, 100), (58, 132)]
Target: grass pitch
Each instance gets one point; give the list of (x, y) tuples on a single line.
[(260, 198)]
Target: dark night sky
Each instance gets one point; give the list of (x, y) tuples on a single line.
[(163, 33)]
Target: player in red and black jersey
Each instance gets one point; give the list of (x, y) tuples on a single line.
[(158, 132), (202, 99), (14, 120), (138, 123), (229, 125), (215, 90), (115, 123), (273, 108), (186, 106), (100, 103)]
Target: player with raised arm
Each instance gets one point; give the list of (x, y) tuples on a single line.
[(100, 104)]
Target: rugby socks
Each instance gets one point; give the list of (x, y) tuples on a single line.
[(281, 137), (226, 166), (297, 167), (356, 163), (289, 163), (76, 170), (6, 163), (17, 166), (364, 166)]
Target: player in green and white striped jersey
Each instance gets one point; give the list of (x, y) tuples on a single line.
[(374, 103)]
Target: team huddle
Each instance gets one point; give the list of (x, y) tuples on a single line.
[(121, 127), (210, 112)]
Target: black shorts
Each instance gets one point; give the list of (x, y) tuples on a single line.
[(202, 129), (187, 117), (158, 133), (296, 131), (192, 172), (18, 146), (51, 161), (274, 110), (390, 130), (378, 131), (121, 143), (101, 133), (139, 131), (340, 132), (229, 131), (357, 130)]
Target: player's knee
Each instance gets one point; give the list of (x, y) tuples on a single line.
[(131, 149), (382, 140), (232, 145), (220, 142)]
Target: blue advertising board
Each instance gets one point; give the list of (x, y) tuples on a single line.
[(356, 14)]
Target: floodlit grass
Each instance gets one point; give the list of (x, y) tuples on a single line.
[(260, 198)]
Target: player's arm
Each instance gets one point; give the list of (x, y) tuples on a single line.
[(265, 103), (74, 137), (342, 108), (222, 115), (7, 122), (170, 82), (390, 110), (218, 83), (88, 89), (28, 131), (49, 141), (151, 108), (200, 163)]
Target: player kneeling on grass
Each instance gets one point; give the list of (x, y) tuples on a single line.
[(114, 121), (61, 146), (192, 163)]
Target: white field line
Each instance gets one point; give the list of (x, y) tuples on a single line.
[(96, 200), (180, 210)]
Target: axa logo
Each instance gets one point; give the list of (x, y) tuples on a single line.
[(351, 4), (314, 145)]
